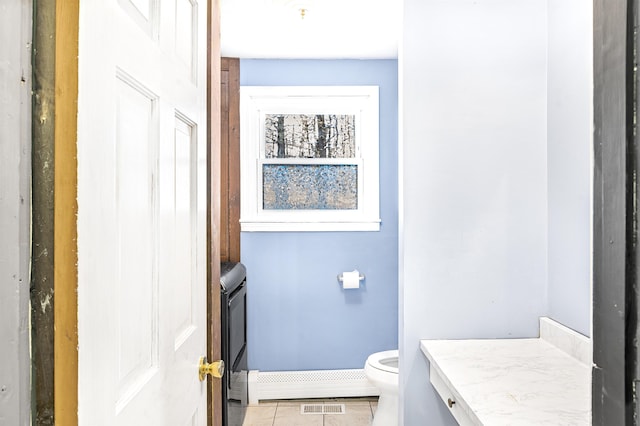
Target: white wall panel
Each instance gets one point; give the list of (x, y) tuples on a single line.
[(570, 146), (473, 181), (15, 206)]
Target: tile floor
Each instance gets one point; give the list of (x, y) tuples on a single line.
[(358, 412)]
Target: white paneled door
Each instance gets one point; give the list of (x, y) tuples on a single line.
[(142, 212)]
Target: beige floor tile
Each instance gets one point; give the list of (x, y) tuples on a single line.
[(356, 414), (260, 415), (266, 403), (359, 412), (298, 402), (289, 415)]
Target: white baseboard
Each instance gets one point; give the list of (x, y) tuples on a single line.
[(308, 384)]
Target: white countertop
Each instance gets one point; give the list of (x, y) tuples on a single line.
[(513, 381)]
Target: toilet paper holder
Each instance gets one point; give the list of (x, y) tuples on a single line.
[(360, 277)]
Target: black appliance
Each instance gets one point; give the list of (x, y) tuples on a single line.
[(233, 312)]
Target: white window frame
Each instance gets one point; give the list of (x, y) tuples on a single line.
[(258, 101)]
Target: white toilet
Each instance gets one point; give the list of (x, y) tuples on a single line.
[(381, 369)]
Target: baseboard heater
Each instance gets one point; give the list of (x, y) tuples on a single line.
[(265, 385)]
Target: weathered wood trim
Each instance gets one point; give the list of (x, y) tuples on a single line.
[(234, 160), (42, 243), (214, 388), (224, 164), (614, 210), (230, 161), (66, 209)]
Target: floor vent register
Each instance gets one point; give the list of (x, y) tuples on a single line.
[(322, 409)]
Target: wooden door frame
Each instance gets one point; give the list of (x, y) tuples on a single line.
[(65, 253), (54, 248), (54, 277), (214, 386), (615, 292)]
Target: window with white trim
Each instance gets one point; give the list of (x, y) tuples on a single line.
[(309, 158)]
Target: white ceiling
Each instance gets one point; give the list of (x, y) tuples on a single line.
[(331, 29)]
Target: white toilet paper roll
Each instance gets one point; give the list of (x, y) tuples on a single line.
[(351, 279)]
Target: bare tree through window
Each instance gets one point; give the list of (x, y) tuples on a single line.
[(310, 136)]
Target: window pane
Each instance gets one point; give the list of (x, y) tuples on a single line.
[(310, 136), (306, 187)]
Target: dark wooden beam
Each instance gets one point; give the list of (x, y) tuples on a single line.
[(230, 161)]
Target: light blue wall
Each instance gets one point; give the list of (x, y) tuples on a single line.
[(299, 318), (570, 79), (473, 220)]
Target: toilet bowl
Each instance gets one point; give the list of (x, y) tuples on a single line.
[(381, 369)]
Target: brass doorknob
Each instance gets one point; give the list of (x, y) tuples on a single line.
[(214, 369)]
